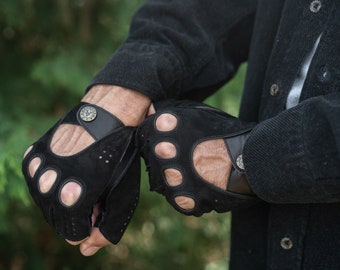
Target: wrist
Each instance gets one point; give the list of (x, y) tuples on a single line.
[(128, 105)]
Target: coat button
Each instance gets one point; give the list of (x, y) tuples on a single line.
[(274, 90), (286, 243), (315, 6)]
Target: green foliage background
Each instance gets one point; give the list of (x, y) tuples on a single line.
[(49, 51)]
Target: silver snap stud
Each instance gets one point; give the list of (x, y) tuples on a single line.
[(88, 113), (239, 162), (286, 243), (315, 6)]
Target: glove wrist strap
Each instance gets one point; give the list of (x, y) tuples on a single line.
[(237, 181)]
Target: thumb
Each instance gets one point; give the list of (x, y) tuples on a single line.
[(92, 244)]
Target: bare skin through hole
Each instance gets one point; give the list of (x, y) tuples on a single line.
[(165, 150), (166, 122), (173, 177), (34, 165), (212, 162), (70, 139), (185, 203), (70, 193), (46, 180), (28, 150)]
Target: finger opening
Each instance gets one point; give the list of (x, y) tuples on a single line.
[(46, 180), (33, 166), (28, 150), (165, 150), (212, 162), (173, 177), (70, 139), (185, 202), (166, 122), (70, 193)]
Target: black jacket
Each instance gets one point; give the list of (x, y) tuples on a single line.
[(189, 48)]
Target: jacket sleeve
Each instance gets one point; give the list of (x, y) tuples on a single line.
[(182, 49), (294, 157)]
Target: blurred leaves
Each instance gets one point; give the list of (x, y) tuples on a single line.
[(49, 52)]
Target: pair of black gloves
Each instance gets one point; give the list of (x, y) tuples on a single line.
[(108, 171)]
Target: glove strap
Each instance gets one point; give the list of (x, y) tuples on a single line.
[(237, 181)]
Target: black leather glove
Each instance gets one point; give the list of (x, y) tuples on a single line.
[(108, 172), (196, 122)]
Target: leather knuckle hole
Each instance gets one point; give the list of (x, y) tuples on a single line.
[(46, 180), (70, 193), (184, 202), (166, 122), (70, 139), (34, 165), (173, 177), (165, 150)]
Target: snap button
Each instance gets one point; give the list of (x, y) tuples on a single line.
[(286, 243), (274, 90), (88, 113), (239, 162), (315, 6)]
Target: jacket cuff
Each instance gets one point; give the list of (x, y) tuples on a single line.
[(148, 69), (273, 157)]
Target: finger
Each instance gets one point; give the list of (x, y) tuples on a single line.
[(95, 214), (151, 110), (185, 202), (28, 150), (166, 122), (75, 243), (165, 150), (70, 193), (33, 166), (92, 244), (173, 177), (47, 180)]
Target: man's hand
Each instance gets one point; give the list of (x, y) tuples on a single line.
[(127, 105), (210, 159), (193, 153)]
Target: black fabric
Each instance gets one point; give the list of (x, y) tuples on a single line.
[(108, 172), (189, 48), (185, 49), (308, 171), (195, 124)]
